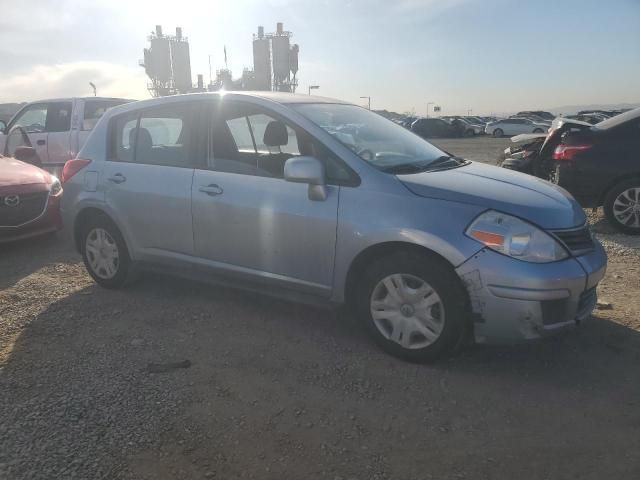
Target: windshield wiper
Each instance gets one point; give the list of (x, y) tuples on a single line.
[(408, 168)]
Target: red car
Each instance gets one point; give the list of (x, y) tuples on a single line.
[(29, 201)]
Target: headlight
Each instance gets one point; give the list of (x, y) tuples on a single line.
[(515, 238), (56, 187)]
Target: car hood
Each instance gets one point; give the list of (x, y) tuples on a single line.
[(527, 197), (15, 172)]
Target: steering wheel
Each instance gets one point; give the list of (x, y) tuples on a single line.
[(22, 140)]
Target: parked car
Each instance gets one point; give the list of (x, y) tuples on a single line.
[(425, 247), (514, 126), (548, 116), (599, 166), (29, 199), (591, 118), (57, 129), (435, 128), (464, 126)]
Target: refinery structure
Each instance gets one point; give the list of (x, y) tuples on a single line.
[(275, 65)]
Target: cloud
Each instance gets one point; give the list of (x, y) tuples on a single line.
[(72, 80)]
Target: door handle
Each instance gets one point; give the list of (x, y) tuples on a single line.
[(118, 178), (41, 142), (212, 190)]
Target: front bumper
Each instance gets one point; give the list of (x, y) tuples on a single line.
[(513, 300), (48, 222)]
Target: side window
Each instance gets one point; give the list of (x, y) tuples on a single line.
[(159, 136), (94, 109), (124, 128), (248, 141), (58, 117), (32, 119)]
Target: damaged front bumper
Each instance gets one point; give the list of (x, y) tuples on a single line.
[(513, 300)]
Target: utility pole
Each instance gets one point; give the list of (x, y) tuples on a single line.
[(94, 88), (368, 101)]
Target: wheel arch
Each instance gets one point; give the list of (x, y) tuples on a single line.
[(378, 250), (614, 182), (83, 217)]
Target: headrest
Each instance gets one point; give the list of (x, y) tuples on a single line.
[(144, 137), (276, 135)]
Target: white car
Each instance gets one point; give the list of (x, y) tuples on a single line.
[(57, 129), (514, 126)]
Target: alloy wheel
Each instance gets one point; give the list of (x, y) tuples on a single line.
[(102, 253), (626, 207), (407, 310)]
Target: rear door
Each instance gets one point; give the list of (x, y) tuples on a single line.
[(247, 219), (58, 128), (148, 177)]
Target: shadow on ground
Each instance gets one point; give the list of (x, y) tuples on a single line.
[(277, 390)]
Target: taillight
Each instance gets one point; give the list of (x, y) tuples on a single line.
[(567, 152), (72, 167)]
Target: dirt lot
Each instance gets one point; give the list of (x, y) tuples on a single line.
[(282, 391)]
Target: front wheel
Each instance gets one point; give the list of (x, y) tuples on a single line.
[(498, 132), (413, 305), (105, 253), (622, 206)]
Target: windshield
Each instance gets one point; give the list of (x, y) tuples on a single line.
[(374, 139)]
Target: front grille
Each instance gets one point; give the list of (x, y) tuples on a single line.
[(587, 303), (30, 207), (578, 241)]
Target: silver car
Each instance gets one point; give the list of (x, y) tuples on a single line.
[(317, 199)]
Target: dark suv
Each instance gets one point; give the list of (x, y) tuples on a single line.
[(434, 128), (600, 166)]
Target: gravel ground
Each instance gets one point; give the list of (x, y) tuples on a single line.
[(94, 384)]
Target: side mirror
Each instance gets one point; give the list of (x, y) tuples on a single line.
[(27, 155), (307, 170), (3, 126)]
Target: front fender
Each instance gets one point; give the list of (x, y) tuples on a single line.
[(369, 219)]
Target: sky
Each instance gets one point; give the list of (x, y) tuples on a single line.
[(487, 56)]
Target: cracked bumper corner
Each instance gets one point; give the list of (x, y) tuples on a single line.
[(512, 300)]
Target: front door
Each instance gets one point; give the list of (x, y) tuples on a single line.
[(149, 175), (29, 122), (247, 219)]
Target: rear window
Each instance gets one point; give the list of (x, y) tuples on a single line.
[(94, 109)]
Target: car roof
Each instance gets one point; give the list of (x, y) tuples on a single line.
[(68, 99), (276, 97)]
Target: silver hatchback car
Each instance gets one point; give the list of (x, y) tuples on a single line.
[(317, 199)]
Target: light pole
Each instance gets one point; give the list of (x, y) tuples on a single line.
[(429, 103), (313, 87), (94, 88), (369, 102), (469, 112)]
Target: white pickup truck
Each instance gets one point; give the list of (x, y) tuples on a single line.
[(57, 128)]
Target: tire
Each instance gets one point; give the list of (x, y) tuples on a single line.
[(623, 199), (498, 133), (398, 329), (101, 230), (538, 130)]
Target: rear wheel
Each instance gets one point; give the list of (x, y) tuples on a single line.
[(413, 306), (622, 206), (105, 253), (498, 132)]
